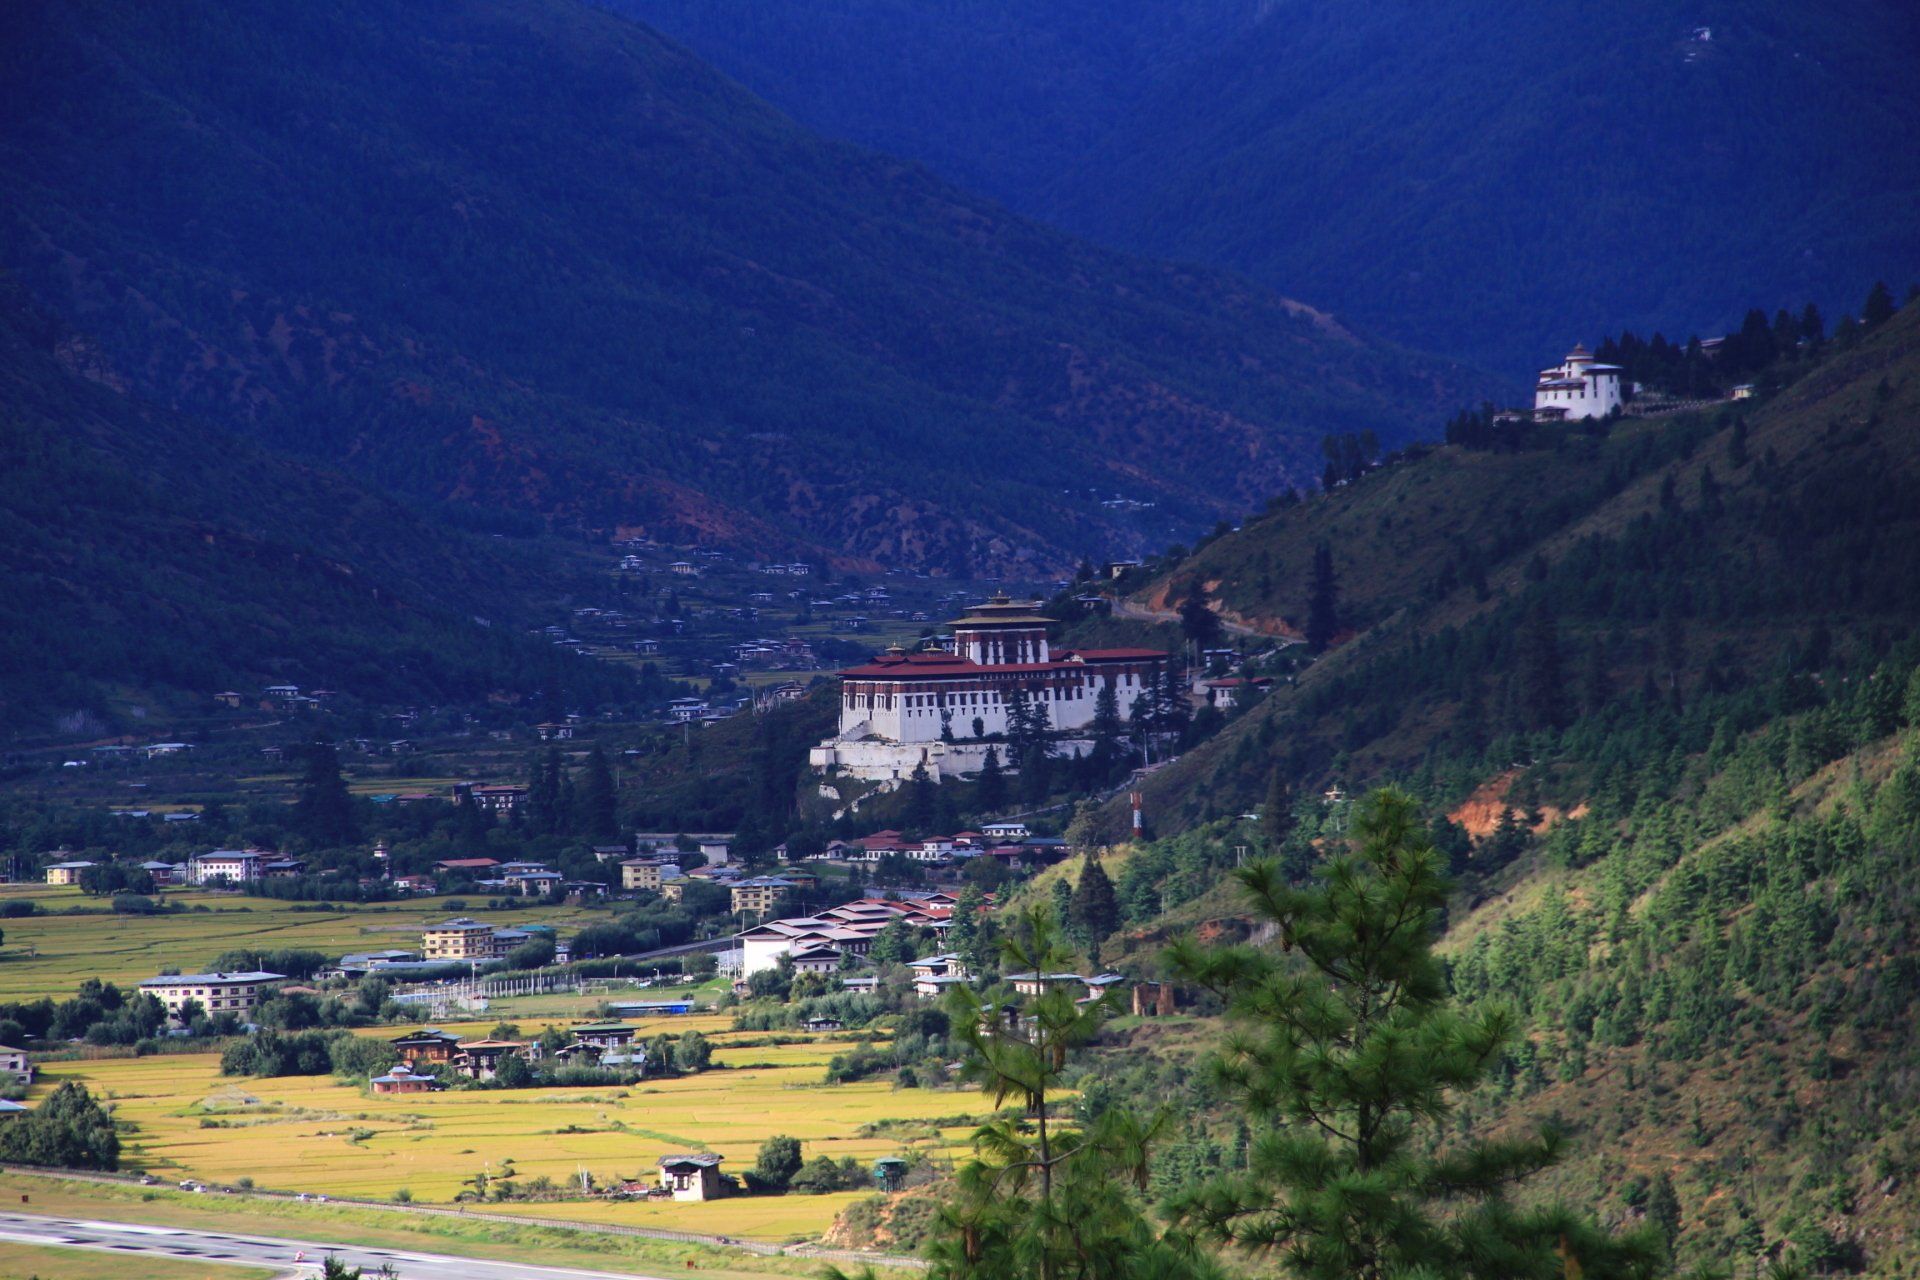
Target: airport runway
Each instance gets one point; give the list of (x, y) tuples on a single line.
[(135, 1240)]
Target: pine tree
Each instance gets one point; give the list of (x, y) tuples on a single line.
[(1878, 308), (1197, 618), (1094, 910), (1346, 1046), (1663, 1210), (1542, 679), (1046, 1198), (324, 811), (1276, 815), (992, 793), (1174, 712), (543, 794), (920, 799), (1323, 601), (594, 801), (1106, 729)]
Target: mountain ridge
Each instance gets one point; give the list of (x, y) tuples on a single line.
[(693, 318)]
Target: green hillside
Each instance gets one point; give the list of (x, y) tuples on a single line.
[(538, 258), (1486, 180), (1660, 687), (1689, 562), (148, 561)]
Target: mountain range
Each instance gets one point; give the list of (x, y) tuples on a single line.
[(148, 561), (528, 257), (1485, 180)]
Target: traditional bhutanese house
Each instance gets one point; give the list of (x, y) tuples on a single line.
[(427, 1045), (480, 1059), (825, 1024), (691, 1177), (403, 1079), (605, 1035), (1034, 984), (819, 958)]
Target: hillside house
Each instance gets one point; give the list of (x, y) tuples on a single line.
[(1577, 388)]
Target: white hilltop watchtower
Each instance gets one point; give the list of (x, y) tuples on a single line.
[(1578, 387)]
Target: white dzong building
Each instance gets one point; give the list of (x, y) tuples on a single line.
[(893, 708), (1578, 387)]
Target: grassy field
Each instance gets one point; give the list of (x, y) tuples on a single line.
[(472, 1235), (315, 1134), (26, 1261), (51, 954)]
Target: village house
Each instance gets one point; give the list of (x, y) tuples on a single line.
[(235, 993), (467, 866), (692, 1177), (426, 1045), (67, 873), (552, 732), (15, 1062), (503, 798), (403, 1079), (818, 958), (480, 1059), (533, 882), (605, 1035)]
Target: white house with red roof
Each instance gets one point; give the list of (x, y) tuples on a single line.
[(902, 709)]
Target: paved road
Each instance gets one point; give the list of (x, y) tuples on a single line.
[(260, 1251)]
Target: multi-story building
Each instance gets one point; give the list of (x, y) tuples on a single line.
[(67, 872), (761, 893), (936, 707), (647, 873), (234, 866), (235, 993), (468, 940)]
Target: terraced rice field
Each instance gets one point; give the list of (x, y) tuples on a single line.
[(315, 1134), (51, 954)]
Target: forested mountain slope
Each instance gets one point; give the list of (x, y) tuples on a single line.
[(1669, 730), (526, 254), (1486, 596), (148, 560), (1486, 179)]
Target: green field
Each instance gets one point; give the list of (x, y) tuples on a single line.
[(315, 1134), (51, 954)]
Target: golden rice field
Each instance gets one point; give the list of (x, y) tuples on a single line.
[(317, 1135), (51, 954)]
